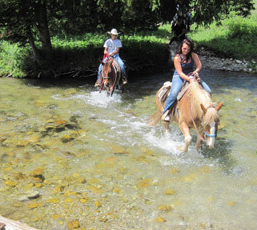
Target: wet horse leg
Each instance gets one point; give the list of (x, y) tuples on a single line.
[(199, 139), (198, 143), (166, 125), (185, 130)]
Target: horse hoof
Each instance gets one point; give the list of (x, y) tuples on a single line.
[(182, 148), (188, 140)]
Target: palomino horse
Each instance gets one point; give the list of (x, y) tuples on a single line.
[(110, 75), (195, 111)]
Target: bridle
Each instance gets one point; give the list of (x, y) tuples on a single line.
[(108, 75), (203, 127), (109, 59), (210, 135)]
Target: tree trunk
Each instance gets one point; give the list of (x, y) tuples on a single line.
[(42, 24), (36, 51)]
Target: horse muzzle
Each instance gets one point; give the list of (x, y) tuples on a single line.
[(210, 139), (210, 142), (106, 84), (211, 146)]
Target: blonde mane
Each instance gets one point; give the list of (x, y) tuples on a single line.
[(199, 96)]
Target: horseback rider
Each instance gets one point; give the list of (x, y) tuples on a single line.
[(180, 25), (111, 48), (184, 63)]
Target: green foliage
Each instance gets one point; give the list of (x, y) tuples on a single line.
[(77, 43), (144, 52), (234, 38), (12, 60), (205, 11)]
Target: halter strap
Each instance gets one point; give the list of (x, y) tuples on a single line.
[(210, 135)]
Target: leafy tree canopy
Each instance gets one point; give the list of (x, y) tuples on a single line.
[(35, 21)]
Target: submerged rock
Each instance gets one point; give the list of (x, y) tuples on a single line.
[(74, 224), (31, 195)]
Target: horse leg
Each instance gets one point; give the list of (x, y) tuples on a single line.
[(166, 125), (199, 140), (185, 130), (198, 143)]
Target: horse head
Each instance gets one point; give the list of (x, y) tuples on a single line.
[(106, 72), (210, 122)]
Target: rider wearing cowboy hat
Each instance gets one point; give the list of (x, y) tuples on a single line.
[(112, 47)]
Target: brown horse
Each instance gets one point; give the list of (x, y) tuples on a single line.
[(195, 110), (110, 75)]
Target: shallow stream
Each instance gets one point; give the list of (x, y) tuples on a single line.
[(70, 157)]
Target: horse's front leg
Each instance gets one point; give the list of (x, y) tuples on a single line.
[(199, 143), (199, 139), (185, 130)]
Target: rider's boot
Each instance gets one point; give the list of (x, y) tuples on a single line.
[(124, 79), (98, 82), (165, 116)]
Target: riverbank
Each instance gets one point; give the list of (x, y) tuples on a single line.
[(210, 60), (144, 53)]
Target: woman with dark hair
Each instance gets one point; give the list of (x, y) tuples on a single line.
[(184, 63)]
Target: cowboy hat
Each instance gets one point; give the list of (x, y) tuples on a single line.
[(114, 32)]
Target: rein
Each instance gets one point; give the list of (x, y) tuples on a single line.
[(198, 134)]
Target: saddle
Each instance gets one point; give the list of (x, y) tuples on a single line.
[(165, 92), (116, 66)]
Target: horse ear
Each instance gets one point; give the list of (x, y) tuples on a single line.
[(203, 108), (219, 106)]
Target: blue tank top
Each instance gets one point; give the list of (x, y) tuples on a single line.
[(186, 67)]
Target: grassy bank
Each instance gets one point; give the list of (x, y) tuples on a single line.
[(144, 53)]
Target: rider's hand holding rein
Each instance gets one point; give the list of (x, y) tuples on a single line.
[(196, 75), (112, 53)]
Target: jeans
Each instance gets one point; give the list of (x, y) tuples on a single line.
[(176, 86), (120, 62)]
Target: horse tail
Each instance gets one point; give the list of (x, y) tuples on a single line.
[(156, 117)]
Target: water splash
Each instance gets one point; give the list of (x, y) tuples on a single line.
[(168, 142), (101, 99), (93, 98), (238, 99)]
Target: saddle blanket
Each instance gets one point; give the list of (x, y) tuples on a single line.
[(165, 91)]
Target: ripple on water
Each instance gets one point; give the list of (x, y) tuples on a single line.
[(93, 98), (117, 172)]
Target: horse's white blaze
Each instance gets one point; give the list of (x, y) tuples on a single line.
[(211, 140)]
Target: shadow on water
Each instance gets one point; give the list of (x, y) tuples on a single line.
[(141, 86), (222, 154), (65, 83)]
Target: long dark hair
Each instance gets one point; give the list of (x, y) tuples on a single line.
[(191, 46)]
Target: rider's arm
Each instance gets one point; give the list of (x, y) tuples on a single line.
[(116, 51), (197, 63), (177, 64), (105, 50)]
